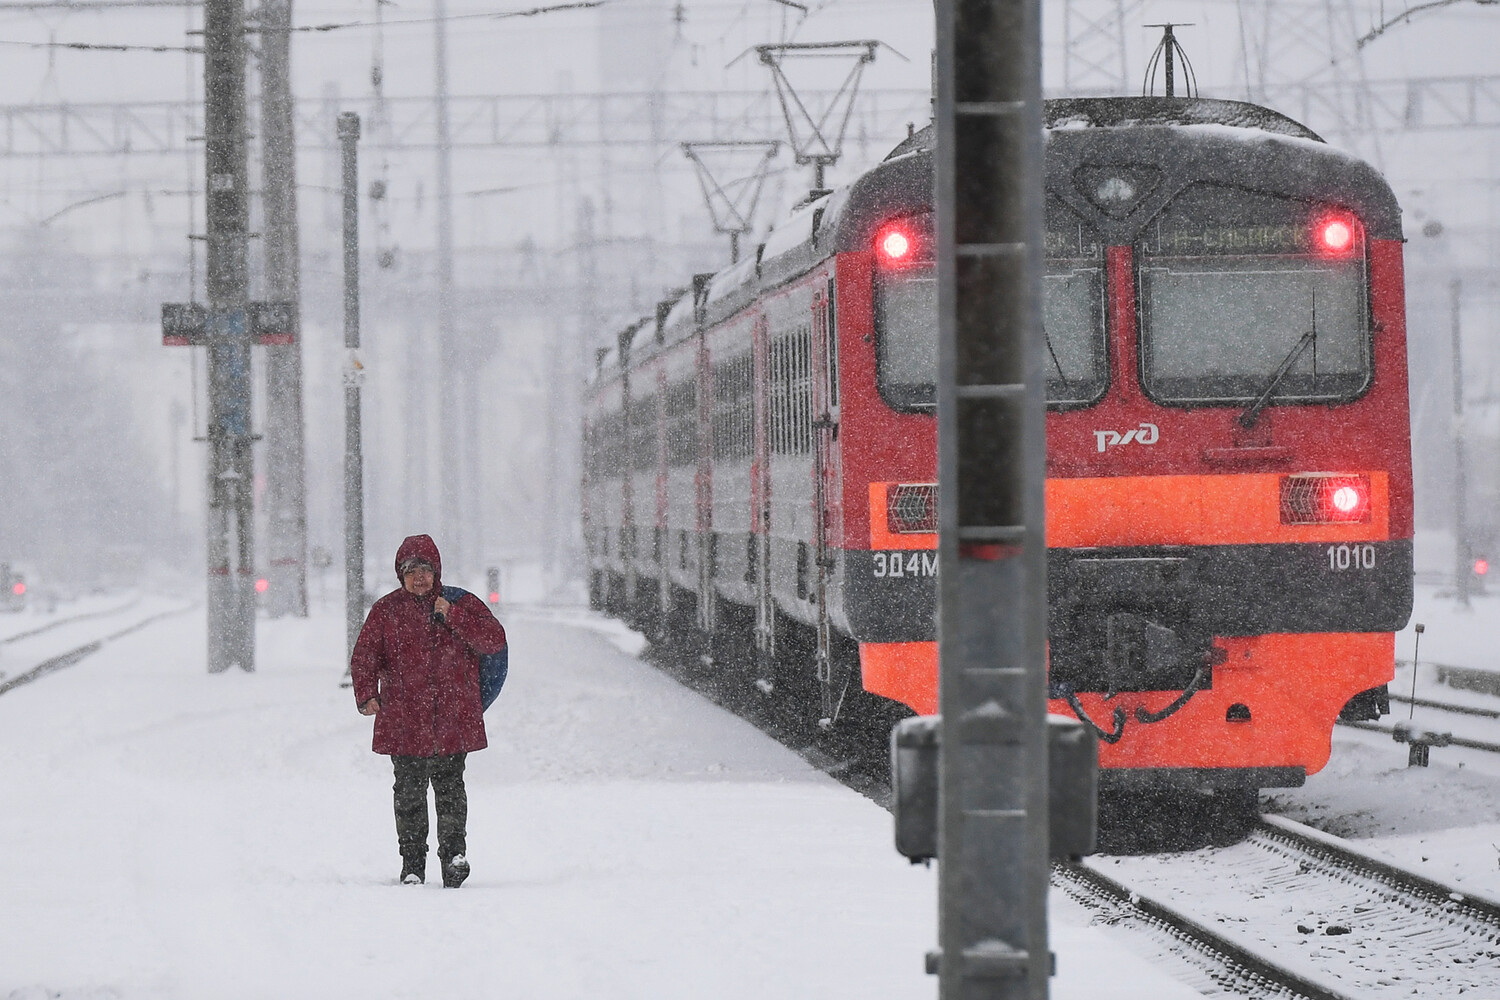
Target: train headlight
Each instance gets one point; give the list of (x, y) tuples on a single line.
[(1325, 498), (896, 245), (1336, 234)]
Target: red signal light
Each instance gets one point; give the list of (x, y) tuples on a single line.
[(895, 245), (1481, 567), (494, 597), (18, 589), (262, 585)]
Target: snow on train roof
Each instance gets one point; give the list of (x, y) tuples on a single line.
[(795, 231), (680, 313), (644, 338), (723, 284), (1069, 113), (1139, 112)]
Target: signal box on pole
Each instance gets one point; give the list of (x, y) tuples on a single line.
[(189, 324)]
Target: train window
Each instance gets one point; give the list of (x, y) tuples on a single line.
[(1073, 319), (791, 392), (733, 409), (643, 430), (602, 451), (1073, 316), (682, 423), (1246, 294)]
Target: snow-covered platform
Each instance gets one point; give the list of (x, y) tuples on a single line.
[(170, 834)]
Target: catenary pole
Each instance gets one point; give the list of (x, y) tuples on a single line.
[(354, 470), (230, 528), (993, 849), (286, 496), (1463, 556)]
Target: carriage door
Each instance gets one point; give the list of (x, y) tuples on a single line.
[(827, 496), (760, 503)]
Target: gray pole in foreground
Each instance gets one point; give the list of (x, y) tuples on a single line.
[(230, 530), (354, 470), (449, 381), (1463, 557), (286, 493), (993, 850)]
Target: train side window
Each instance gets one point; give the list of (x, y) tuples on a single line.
[(733, 409), (791, 392), (1244, 293), (602, 446), (682, 423), (643, 430)]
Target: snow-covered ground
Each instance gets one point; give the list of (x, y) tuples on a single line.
[(1453, 635), (170, 834), (166, 833), (1442, 820)]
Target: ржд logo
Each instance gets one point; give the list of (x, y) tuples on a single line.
[(1144, 434)]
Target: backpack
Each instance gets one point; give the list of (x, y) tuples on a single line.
[(492, 666)]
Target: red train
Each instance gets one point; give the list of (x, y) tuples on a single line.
[(1229, 515)]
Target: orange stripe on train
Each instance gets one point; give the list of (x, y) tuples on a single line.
[(1193, 510), (1243, 509)]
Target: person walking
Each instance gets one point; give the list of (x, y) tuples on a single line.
[(416, 669)]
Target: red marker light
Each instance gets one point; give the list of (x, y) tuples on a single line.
[(1324, 498), (18, 589), (1345, 499), (1481, 567), (494, 597), (895, 245), (1336, 235), (262, 585)]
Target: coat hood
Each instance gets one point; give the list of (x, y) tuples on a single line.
[(424, 548)]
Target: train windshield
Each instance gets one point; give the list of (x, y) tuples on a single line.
[(1245, 295), (906, 312)]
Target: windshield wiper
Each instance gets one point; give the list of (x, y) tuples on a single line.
[(1055, 363), (1251, 413)]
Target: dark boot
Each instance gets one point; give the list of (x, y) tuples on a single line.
[(414, 867), (455, 870)]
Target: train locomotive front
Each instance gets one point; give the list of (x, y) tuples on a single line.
[(1229, 514)]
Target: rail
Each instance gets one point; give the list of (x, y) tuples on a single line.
[(1309, 913), (66, 659)]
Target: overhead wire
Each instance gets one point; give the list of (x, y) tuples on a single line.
[(315, 28)]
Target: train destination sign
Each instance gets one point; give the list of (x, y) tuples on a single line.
[(188, 324)]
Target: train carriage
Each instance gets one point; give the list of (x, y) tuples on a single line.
[(1229, 514)]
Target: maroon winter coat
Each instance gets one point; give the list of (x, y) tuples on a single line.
[(425, 673)]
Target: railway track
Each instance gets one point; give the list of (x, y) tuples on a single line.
[(66, 620), (1296, 913), (1443, 706), (118, 622)]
